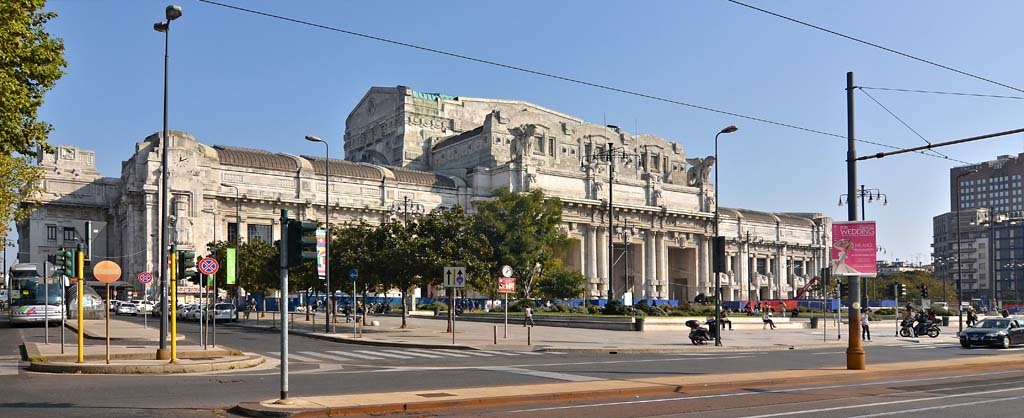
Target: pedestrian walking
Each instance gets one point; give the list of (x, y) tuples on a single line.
[(251, 308), (528, 316), (865, 324), (766, 318), (347, 310)]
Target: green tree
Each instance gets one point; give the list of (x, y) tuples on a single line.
[(448, 237), (31, 62), (558, 282), (522, 229)]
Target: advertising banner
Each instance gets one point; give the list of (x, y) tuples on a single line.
[(321, 253), (854, 249), (229, 267)]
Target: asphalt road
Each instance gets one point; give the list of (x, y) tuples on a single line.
[(323, 368)]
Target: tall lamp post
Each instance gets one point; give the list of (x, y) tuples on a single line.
[(406, 206), (171, 12), (959, 259), (609, 155), (238, 232), (627, 231), (327, 215), (718, 279)]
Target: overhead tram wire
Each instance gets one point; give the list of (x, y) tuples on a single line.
[(903, 54), (952, 93), (548, 75), (908, 126)]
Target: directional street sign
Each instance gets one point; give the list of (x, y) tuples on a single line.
[(353, 275), (208, 266), (455, 277), (145, 277), (506, 285)]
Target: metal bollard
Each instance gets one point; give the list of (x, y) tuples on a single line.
[(529, 334), (495, 335)]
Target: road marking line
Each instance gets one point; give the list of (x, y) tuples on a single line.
[(793, 390), (9, 369), (500, 353), (325, 356), (293, 356), (381, 353), (534, 353), (908, 411), (547, 375), (867, 405), (415, 354), (439, 352), (356, 355), (830, 352), (470, 352)]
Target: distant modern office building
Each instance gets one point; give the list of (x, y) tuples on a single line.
[(997, 185)]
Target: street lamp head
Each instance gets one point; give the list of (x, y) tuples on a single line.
[(160, 26), (228, 185), (312, 138), (729, 129), (172, 12)]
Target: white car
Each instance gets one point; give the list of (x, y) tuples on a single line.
[(224, 312), (195, 314), (183, 310), (125, 308), (143, 306)]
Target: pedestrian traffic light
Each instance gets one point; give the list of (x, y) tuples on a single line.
[(186, 264), (924, 291), (301, 242), (65, 263)]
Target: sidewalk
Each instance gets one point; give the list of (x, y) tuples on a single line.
[(429, 332), (137, 357)]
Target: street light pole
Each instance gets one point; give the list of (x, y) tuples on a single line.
[(959, 261), (718, 280), (170, 12), (327, 215)]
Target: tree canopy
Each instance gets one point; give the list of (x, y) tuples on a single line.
[(31, 62)]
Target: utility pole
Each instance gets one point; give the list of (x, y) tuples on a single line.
[(855, 356)]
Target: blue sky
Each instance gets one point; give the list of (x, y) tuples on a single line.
[(245, 80)]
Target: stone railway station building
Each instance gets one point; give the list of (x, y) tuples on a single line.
[(440, 151)]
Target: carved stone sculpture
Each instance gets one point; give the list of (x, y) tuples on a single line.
[(700, 171)]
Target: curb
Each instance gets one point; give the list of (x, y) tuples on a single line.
[(258, 409), (166, 368)]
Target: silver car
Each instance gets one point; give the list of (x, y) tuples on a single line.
[(225, 312)]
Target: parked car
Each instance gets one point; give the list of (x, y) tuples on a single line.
[(225, 312), (125, 308), (113, 304), (195, 313), (1001, 332), (143, 306)]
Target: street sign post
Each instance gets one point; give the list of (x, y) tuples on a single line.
[(353, 275), (506, 285), (145, 277), (107, 272), (321, 253), (455, 278), (208, 266)]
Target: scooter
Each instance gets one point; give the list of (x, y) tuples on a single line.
[(931, 329), (699, 335)]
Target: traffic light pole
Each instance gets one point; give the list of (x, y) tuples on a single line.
[(284, 306), (80, 274), (855, 356), (172, 301)]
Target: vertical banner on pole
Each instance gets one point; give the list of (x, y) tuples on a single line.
[(229, 259), (321, 253)]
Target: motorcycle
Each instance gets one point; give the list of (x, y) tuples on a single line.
[(700, 335), (930, 329)]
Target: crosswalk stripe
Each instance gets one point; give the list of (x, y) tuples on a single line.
[(406, 352), (443, 353), (8, 369), (500, 353), (360, 356), (382, 353), (293, 356), (534, 353), (326, 356), (470, 352)]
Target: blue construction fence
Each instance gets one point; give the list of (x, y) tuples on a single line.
[(271, 304)]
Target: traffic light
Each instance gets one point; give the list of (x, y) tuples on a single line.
[(301, 242), (924, 291), (903, 289), (65, 263), (718, 255), (844, 288), (186, 264)]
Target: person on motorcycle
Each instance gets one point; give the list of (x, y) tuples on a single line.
[(922, 323)]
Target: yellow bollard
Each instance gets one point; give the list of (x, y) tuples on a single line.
[(173, 308), (80, 273)]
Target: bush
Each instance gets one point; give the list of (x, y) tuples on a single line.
[(886, 311), (579, 310), (555, 307), (594, 309), (430, 306), (614, 307)]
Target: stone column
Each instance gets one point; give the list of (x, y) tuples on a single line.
[(737, 269), (661, 246), (704, 265), (650, 277), (591, 261), (602, 262)]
